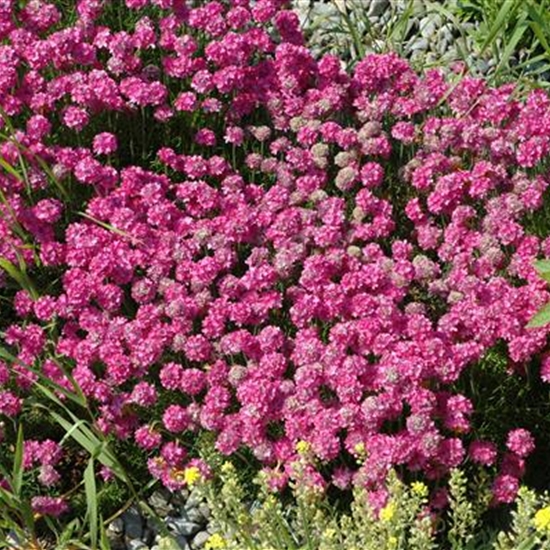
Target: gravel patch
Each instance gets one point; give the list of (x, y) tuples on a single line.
[(419, 33), (186, 516)]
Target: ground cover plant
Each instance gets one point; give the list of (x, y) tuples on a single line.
[(205, 230)]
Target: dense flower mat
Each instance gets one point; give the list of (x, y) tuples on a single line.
[(214, 231)]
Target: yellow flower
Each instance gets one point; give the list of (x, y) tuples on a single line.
[(227, 468), (392, 542), (387, 513), (329, 533), (542, 519), (191, 475), (215, 542), (302, 447), (359, 448), (419, 489)]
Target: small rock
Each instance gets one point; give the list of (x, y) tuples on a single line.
[(195, 515), (182, 526), (133, 525), (195, 498), (182, 542), (385, 17), (446, 33), (378, 7), (160, 503), (199, 540), (418, 7), (442, 47), (482, 66), (136, 545), (429, 25), (205, 511), (420, 44), (116, 527), (148, 536)]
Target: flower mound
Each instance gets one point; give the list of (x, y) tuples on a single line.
[(317, 260)]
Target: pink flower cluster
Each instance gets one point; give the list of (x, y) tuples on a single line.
[(325, 276)]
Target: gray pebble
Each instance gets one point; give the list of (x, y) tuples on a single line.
[(377, 7), (420, 44), (116, 527), (182, 526), (442, 47), (418, 7), (199, 540), (148, 536), (195, 498), (136, 545), (429, 25), (385, 17), (195, 515), (482, 66), (133, 525), (446, 33), (205, 511), (160, 503), (182, 542)]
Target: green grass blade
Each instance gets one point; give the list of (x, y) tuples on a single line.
[(109, 227), (84, 436), (17, 475), (7, 500), (78, 397), (500, 22), (542, 267), (14, 225), (10, 169), (539, 26), (91, 502), (20, 276), (541, 318), (511, 46), (104, 543)]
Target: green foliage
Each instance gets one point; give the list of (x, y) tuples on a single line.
[(542, 317), (512, 27)]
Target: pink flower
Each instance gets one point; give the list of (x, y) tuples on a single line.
[(49, 506), (483, 452), (147, 438), (75, 118), (105, 143), (521, 442), (505, 489), (176, 419)]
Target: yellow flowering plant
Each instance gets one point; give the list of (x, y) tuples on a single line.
[(541, 521), (215, 542), (191, 475), (304, 519)]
